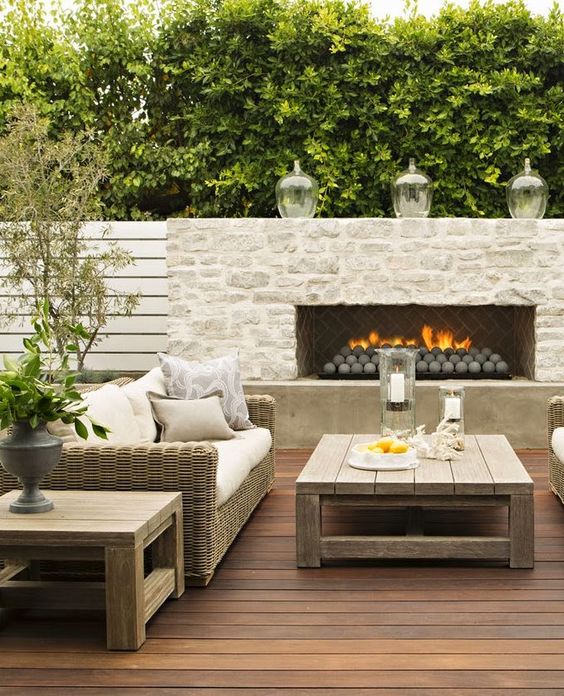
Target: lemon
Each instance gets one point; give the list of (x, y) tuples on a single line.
[(398, 447), (376, 450), (384, 443)]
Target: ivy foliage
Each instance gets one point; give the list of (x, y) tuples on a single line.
[(203, 104)]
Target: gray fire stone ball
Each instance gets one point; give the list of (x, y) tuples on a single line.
[(329, 368), (449, 352), (422, 366), (495, 358), (345, 350), (375, 358), (468, 359), (502, 367), (358, 350), (363, 359), (461, 367), (411, 346), (435, 366), (370, 368), (442, 358), (429, 357), (386, 345), (461, 351), (344, 369), (436, 350), (351, 359), (488, 366), (357, 369), (447, 367), (455, 358), (474, 367), (473, 351), (486, 351), (480, 358), (423, 350), (370, 351), (338, 360)]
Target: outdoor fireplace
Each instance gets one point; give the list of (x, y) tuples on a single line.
[(453, 342)]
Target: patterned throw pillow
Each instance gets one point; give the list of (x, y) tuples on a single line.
[(194, 380)]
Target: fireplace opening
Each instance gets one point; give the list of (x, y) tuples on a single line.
[(477, 342)]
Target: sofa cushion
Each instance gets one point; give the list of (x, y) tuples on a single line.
[(192, 380), (136, 392), (237, 457), (557, 443), (108, 406), (188, 420)]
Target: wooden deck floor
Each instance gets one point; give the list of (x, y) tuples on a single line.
[(264, 627)]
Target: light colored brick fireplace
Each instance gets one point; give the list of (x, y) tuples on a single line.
[(238, 283)]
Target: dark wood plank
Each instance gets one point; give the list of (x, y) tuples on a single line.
[(264, 627)]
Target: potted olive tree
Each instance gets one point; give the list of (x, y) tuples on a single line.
[(36, 389)]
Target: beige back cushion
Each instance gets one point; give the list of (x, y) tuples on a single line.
[(190, 420)]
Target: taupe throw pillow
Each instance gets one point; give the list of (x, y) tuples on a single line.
[(193, 380), (190, 420)]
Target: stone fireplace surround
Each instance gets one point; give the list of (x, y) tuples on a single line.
[(237, 283)]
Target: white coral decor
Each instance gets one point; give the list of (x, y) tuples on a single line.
[(442, 444)]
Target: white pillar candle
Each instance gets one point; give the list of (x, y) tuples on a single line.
[(397, 388), (452, 408)]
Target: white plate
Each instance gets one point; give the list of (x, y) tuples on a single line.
[(380, 466), (360, 458)]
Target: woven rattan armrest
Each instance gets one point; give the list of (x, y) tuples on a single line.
[(555, 413)]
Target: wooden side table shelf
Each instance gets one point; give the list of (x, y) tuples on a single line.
[(114, 527)]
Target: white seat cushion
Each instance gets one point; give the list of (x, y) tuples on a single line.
[(237, 457), (107, 406), (136, 392), (558, 443)]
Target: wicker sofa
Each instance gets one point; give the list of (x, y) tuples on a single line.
[(188, 467), (555, 462)]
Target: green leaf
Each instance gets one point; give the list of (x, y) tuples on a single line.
[(81, 429)]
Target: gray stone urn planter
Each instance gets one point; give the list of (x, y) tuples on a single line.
[(30, 454)]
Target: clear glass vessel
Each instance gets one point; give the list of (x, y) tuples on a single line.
[(296, 194), (527, 194), (397, 391), (412, 193), (451, 408)]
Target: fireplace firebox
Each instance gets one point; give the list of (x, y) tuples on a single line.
[(491, 341)]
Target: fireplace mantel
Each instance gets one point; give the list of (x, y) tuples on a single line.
[(236, 283)]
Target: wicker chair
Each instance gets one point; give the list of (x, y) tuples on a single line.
[(188, 467), (555, 466)]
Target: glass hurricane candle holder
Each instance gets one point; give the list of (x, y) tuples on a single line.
[(296, 194), (527, 194), (397, 391), (412, 192), (451, 409)]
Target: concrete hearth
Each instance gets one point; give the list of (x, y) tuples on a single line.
[(309, 408)]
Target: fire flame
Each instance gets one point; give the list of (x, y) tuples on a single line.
[(431, 337)]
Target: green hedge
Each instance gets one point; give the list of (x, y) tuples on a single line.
[(204, 104)]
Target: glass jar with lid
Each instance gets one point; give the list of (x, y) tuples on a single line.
[(527, 194), (296, 194), (412, 193)]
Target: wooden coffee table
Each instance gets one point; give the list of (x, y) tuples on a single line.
[(114, 527), (489, 474)]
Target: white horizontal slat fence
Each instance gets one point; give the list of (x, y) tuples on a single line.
[(129, 344)]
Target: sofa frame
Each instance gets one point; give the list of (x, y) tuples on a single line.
[(555, 466), (187, 467)]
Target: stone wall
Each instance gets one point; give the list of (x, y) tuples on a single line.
[(234, 283)]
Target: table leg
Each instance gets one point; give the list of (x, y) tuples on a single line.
[(308, 531), (125, 602), (168, 552), (521, 531)]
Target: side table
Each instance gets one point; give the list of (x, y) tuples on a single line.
[(114, 527)]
